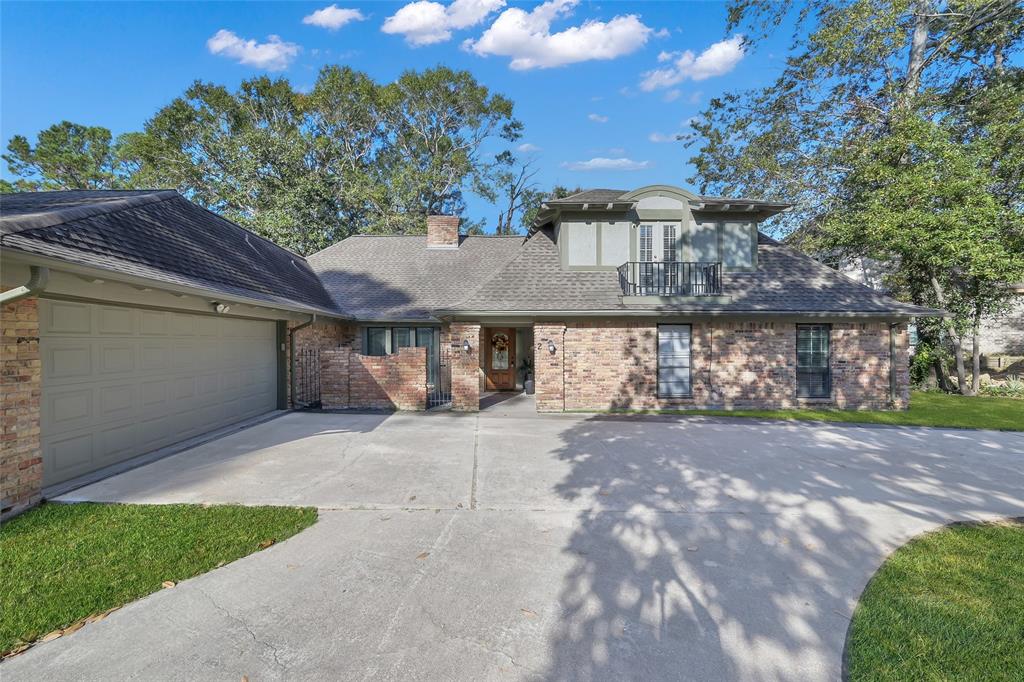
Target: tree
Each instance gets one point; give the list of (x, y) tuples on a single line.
[(309, 169), (870, 92), (66, 156), (513, 178), (533, 205)]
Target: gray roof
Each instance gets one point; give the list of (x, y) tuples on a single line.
[(399, 278), (596, 196), (785, 281), (159, 235)]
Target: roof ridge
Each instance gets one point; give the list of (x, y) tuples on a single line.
[(60, 216), (497, 273)]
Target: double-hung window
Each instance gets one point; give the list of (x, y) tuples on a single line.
[(813, 373), (674, 376)]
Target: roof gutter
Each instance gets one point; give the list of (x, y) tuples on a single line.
[(668, 312), (37, 280)]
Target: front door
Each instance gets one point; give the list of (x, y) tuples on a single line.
[(500, 366)]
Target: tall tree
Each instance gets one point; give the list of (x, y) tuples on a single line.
[(66, 156), (870, 114), (515, 190)]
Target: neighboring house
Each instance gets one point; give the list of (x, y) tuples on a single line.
[(136, 319), (1002, 336)]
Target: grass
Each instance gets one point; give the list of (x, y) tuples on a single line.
[(926, 409), (947, 605), (61, 563)]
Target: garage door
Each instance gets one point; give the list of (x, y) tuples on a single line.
[(119, 382)]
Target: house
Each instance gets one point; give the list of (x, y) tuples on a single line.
[(134, 320)]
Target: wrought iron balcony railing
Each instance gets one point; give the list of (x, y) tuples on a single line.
[(673, 278)]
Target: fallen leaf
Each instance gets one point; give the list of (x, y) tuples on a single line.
[(529, 613), (423, 555), (74, 627), (267, 543), (51, 636), (168, 584), (412, 498), (17, 650)]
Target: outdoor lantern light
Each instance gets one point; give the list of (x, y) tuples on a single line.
[(465, 346), (551, 347)]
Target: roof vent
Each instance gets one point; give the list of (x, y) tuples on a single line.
[(442, 232)]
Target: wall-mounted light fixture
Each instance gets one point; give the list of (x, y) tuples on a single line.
[(551, 347), (465, 346), (221, 307)]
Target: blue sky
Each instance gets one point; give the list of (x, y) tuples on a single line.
[(599, 86)]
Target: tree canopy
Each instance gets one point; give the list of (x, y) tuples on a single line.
[(304, 169)]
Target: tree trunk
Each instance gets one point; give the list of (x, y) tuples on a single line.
[(976, 351), (954, 337), (918, 43)]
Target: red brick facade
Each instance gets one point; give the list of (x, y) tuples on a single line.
[(612, 364), (21, 463), (350, 380), (466, 373)]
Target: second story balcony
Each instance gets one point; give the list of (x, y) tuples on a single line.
[(670, 278)]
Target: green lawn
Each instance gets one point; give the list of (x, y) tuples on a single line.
[(926, 409), (60, 563), (947, 605)]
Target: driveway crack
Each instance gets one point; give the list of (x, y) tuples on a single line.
[(476, 450), (267, 645)]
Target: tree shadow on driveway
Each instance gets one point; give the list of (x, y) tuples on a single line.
[(718, 550)]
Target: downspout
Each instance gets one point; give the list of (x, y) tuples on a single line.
[(892, 364), (38, 278), (291, 356)]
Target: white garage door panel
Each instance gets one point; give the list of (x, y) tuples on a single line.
[(119, 382)]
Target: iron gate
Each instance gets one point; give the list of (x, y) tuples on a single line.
[(439, 378), (306, 379)]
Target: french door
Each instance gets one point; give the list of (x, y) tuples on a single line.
[(657, 248)]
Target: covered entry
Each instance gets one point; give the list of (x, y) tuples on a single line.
[(120, 381)]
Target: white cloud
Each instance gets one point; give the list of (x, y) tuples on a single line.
[(273, 55), (671, 95), (426, 22), (526, 37), (662, 137), (695, 97), (333, 17), (601, 163), (716, 60), (597, 118), (527, 148)]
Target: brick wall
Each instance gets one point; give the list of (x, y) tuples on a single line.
[(21, 464), (388, 382), (321, 334), (442, 231), (612, 364), (466, 373)]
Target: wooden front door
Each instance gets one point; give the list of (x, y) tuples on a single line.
[(500, 356)]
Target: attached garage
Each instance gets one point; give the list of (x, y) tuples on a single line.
[(121, 381), (134, 320)]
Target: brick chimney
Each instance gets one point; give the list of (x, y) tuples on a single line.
[(442, 232)]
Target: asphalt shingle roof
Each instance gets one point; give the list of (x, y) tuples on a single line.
[(159, 235), (785, 281), (399, 278)]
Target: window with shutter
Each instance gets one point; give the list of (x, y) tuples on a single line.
[(813, 373)]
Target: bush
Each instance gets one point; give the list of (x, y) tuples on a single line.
[(1012, 387)]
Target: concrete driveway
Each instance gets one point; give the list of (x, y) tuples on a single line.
[(512, 546)]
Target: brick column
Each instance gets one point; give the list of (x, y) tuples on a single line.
[(465, 366), (549, 367), (900, 342), (21, 463)]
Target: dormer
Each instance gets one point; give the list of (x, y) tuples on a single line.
[(662, 240)]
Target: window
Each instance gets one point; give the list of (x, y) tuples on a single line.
[(376, 341), (647, 243), (401, 337), (669, 252), (674, 379), (813, 375)]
